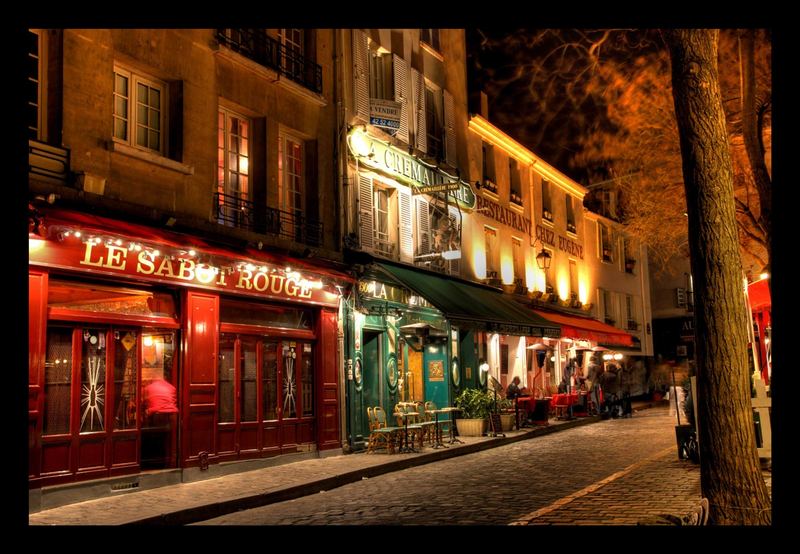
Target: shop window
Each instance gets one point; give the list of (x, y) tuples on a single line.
[(307, 378), (93, 381), (245, 313), (125, 371), (58, 381), (289, 385), (248, 380), (226, 374), (111, 300), (269, 376)]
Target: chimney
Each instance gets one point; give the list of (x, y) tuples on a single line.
[(484, 106)]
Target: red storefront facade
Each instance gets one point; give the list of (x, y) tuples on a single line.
[(154, 350)]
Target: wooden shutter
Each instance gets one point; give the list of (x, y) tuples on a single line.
[(361, 74), (401, 94), (418, 83), (450, 130), (406, 230), (367, 228), (423, 227)]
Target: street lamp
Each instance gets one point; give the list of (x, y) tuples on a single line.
[(543, 258)]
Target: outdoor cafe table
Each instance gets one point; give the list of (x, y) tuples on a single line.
[(405, 415), (451, 410), (534, 409), (437, 430)]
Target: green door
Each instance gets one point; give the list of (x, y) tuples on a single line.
[(436, 371), (372, 378)]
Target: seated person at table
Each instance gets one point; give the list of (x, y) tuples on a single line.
[(514, 390)]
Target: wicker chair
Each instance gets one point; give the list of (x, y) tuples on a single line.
[(427, 425), (380, 434)]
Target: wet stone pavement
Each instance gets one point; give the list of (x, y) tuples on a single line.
[(610, 472)]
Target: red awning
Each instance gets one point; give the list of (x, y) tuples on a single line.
[(759, 295), (584, 328), (55, 216)]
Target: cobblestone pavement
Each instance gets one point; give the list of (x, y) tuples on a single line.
[(610, 472)]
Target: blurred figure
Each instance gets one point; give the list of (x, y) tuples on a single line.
[(513, 390), (160, 397)]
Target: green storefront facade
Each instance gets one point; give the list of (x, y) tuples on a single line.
[(410, 335)]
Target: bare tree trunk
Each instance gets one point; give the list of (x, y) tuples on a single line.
[(730, 473), (751, 132)]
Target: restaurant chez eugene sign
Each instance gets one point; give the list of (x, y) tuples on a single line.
[(410, 170), (549, 237), (157, 263)]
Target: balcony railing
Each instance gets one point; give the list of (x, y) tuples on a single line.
[(237, 212), (256, 45)]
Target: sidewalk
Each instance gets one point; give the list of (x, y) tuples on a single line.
[(186, 503)]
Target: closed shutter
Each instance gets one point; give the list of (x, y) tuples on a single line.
[(450, 130), (423, 227), (406, 228), (418, 82), (361, 74), (401, 94), (365, 213)]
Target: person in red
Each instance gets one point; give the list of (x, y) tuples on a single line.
[(160, 398)]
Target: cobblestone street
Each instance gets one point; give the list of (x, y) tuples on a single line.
[(616, 471)]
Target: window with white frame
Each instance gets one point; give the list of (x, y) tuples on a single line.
[(381, 83), (519, 261), (573, 280), (492, 252), (233, 168), (384, 207), (547, 205), (549, 273), (609, 313), (487, 157), (630, 312), (570, 214), (140, 110), (515, 189), (628, 258), (291, 172), (35, 91), (434, 120), (430, 37), (605, 244), (294, 47)]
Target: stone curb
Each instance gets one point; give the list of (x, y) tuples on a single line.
[(217, 509)]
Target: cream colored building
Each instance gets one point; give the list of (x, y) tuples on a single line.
[(526, 208)]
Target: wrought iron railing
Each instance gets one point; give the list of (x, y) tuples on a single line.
[(237, 212), (256, 45)]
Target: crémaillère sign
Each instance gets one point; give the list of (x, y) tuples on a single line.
[(410, 170)]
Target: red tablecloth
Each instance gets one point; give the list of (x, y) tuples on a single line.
[(562, 399)]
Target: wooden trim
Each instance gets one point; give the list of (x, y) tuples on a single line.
[(261, 330), (65, 314)]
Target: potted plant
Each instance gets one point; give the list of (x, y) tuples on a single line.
[(507, 414), (475, 405)]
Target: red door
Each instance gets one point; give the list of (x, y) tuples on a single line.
[(265, 404)]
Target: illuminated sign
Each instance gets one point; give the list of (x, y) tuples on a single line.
[(381, 291), (549, 237), (148, 262), (421, 177), (504, 215)]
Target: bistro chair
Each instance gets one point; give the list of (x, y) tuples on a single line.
[(380, 433), (427, 425)]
